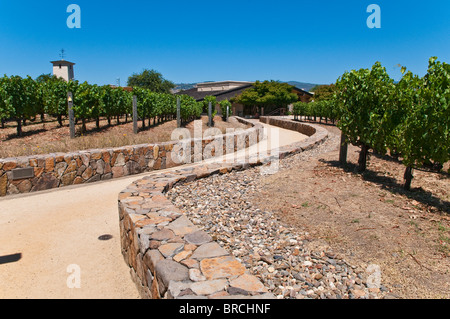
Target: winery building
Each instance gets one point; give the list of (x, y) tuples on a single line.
[(226, 90)]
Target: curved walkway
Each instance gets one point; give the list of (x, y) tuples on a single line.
[(52, 230)]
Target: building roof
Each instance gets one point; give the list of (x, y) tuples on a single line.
[(62, 62), (227, 94), (224, 82), (303, 91), (220, 95)]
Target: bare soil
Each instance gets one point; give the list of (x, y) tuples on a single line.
[(48, 137), (369, 218)]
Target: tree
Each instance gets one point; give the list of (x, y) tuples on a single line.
[(45, 77), (268, 94), (152, 80), (323, 92)]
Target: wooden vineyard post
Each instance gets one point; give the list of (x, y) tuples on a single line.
[(178, 112), (343, 150), (408, 176), (228, 112), (71, 115), (209, 114), (135, 125)]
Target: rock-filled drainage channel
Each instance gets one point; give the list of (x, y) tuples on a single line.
[(277, 254)]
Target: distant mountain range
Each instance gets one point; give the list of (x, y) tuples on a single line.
[(300, 85)]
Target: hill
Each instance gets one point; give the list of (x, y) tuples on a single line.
[(302, 85)]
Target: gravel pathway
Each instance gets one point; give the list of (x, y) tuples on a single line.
[(281, 256)]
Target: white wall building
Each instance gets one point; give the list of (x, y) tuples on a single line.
[(63, 69), (220, 86)]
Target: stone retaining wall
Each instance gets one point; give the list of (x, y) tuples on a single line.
[(63, 169), (316, 134), (169, 257)]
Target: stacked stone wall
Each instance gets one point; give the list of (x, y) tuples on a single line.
[(170, 257), (64, 169)]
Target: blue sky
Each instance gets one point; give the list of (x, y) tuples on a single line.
[(193, 41)]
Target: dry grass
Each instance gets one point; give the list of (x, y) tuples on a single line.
[(48, 137), (370, 218)]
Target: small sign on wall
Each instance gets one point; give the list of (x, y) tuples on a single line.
[(21, 173)]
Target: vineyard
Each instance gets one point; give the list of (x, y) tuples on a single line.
[(410, 119), (23, 99), (324, 110)]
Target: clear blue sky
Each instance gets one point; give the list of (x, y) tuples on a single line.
[(247, 40)]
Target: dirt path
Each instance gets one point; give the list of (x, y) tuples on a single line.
[(54, 229)]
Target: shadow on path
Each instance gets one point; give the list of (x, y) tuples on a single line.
[(10, 258)]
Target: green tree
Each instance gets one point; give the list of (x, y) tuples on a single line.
[(44, 77), (152, 80), (268, 94), (324, 92)]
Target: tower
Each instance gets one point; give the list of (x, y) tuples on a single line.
[(63, 69)]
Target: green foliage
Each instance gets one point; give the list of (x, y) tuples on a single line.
[(423, 136), (362, 99), (324, 109), (324, 92), (20, 99), (151, 104), (167, 104), (115, 101), (190, 108), (87, 102), (44, 78), (207, 100), (6, 104), (268, 94), (151, 80), (411, 118), (25, 98), (55, 96), (224, 104)]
